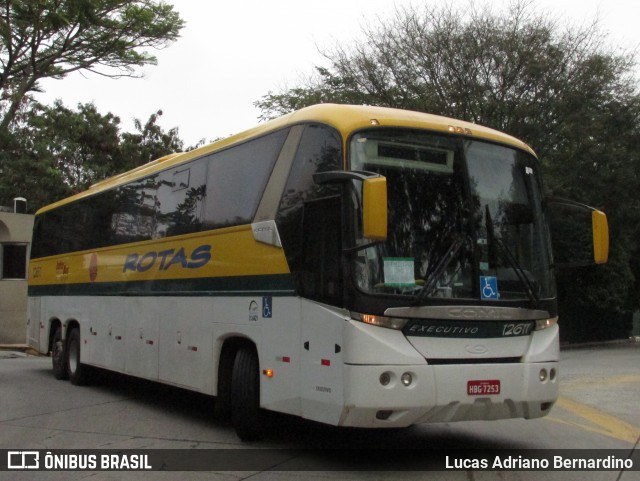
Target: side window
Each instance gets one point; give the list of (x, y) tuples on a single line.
[(40, 245), (218, 190), (180, 199), (309, 216), (135, 218), (320, 150), (237, 178), (46, 236)]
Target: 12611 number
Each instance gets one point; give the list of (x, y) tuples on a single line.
[(517, 329)]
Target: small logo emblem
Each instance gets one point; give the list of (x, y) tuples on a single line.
[(23, 460), (93, 267), (253, 311), (477, 349)]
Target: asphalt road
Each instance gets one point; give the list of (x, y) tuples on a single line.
[(598, 409)]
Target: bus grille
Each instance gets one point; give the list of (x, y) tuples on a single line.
[(493, 360)]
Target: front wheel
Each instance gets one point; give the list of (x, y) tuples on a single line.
[(245, 396), (78, 372), (58, 356)]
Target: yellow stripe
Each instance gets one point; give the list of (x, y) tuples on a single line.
[(598, 421), (233, 252)]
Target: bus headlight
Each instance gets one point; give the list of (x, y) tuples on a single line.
[(382, 321), (546, 323)]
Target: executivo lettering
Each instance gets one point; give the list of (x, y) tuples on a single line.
[(468, 329)]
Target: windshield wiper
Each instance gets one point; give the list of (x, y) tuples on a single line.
[(508, 257), (446, 259)]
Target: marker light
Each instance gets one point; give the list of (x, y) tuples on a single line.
[(382, 321), (385, 378), (268, 372), (460, 130), (375, 122), (543, 375), (546, 323)]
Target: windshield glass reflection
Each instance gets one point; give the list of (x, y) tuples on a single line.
[(465, 219)]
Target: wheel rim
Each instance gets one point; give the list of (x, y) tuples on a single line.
[(73, 356), (57, 351)]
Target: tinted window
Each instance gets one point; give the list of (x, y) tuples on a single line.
[(220, 189), (303, 208), (237, 178), (180, 200), (134, 218)]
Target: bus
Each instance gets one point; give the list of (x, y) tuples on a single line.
[(352, 265)]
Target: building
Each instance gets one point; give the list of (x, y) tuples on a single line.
[(15, 246)]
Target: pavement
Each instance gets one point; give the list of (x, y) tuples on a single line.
[(17, 350)]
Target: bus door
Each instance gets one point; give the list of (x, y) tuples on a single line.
[(322, 325), (322, 361)]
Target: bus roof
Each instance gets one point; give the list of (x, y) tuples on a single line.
[(345, 118)]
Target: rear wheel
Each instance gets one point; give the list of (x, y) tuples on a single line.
[(245, 396), (78, 372), (59, 356)]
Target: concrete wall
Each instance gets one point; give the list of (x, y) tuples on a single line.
[(13, 312), (17, 229)]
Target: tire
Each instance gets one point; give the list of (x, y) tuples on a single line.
[(59, 356), (222, 405), (78, 372), (245, 394)]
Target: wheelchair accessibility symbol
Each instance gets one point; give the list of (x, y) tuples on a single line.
[(267, 302), (489, 287)]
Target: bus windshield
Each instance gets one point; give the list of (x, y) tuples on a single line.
[(465, 220)]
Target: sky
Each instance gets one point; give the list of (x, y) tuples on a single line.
[(232, 53)]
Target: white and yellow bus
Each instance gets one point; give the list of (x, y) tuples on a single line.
[(357, 266)]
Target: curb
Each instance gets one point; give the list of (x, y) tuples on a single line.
[(615, 343), (24, 348)]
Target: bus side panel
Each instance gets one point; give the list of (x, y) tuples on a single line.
[(106, 325), (142, 337), (186, 341), (280, 352), (322, 389), (33, 325)]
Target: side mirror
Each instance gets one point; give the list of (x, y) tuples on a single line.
[(580, 234), (374, 208), (600, 228), (374, 199)]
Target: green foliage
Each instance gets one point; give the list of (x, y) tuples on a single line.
[(149, 143), (56, 152), (52, 38), (559, 88), (47, 153)]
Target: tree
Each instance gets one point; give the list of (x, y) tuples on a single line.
[(56, 151), (559, 88), (52, 38), (149, 143)]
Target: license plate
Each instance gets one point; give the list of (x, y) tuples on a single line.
[(483, 388)]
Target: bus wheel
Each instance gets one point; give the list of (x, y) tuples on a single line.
[(58, 356), (245, 395), (77, 371)]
